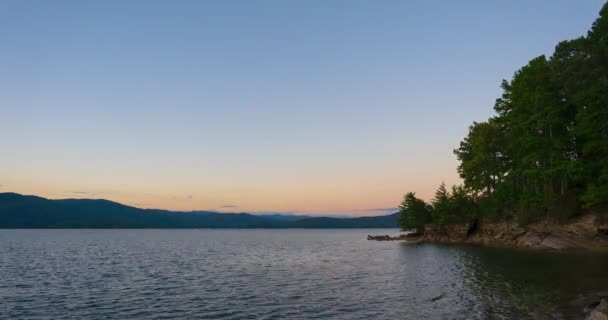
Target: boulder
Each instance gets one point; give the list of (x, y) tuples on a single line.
[(530, 240), (517, 232), (600, 312)]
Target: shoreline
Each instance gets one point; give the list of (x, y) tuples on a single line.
[(580, 233)]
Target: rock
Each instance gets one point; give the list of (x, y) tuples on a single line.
[(386, 237), (558, 242), (530, 240), (578, 233), (517, 232), (588, 301), (600, 312), (406, 236)]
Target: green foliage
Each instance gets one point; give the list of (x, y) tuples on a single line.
[(549, 137), (413, 213), (482, 162), (595, 196), (545, 152), (462, 205), (455, 207), (441, 205)]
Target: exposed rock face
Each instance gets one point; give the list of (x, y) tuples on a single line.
[(580, 233), (600, 312), (450, 233)]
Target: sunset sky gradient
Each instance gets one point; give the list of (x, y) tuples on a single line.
[(317, 107)]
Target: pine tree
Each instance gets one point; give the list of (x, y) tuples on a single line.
[(413, 213)]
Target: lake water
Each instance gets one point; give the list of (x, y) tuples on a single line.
[(281, 274)]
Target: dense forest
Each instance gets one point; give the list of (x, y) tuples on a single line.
[(544, 155)]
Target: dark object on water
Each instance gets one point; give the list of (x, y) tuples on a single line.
[(381, 238), (410, 236)]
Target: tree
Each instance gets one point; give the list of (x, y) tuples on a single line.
[(546, 149), (413, 213), (461, 206), (441, 206), (483, 160), (549, 139), (592, 116)]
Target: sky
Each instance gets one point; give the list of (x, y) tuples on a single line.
[(316, 107)]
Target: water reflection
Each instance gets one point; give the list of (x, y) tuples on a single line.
[(506, 283), (278, 274)]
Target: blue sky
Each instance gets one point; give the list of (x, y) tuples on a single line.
[(299, 106)]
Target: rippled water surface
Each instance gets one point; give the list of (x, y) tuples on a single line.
[(280, 274)]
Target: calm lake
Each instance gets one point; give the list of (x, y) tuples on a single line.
[(281, 274)]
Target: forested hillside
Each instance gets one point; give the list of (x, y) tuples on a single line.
[(20, 211)]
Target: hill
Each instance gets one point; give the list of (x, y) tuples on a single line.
[(22, 211), (388, 221)]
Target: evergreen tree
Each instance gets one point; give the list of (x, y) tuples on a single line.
[(592, 116), (441, 206), (545, 150), (414, 213), (483, 161)]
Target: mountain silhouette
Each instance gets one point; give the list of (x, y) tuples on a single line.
[(24, 211)]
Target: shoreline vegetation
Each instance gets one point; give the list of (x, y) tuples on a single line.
[(535, 174)]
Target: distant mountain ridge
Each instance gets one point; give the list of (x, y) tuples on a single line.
[(24, 211)]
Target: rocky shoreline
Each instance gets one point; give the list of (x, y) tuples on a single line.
[(580, 233), (599, 311)]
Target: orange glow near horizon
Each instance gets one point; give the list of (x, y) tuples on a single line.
[(346, 193), (216, 106)]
